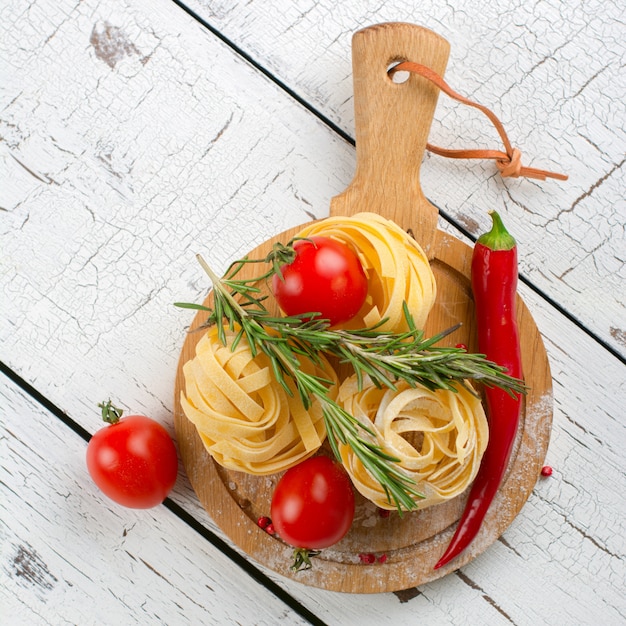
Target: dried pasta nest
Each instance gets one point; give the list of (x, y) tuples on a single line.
[(438, 436), (396, 267), (243, 415)]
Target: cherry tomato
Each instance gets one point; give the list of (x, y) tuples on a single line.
[(326, 277), (313, 504), (133, 461)]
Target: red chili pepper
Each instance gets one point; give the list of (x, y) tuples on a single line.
[(494, 284)]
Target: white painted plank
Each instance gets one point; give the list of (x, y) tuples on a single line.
[(98, 321), (71, 556), (545, 545), (190, 151), (552, 73)]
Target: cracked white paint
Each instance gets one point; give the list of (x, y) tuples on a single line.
[(122, 567), (552, 72), (131, 139)]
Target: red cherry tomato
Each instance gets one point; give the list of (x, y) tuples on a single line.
[(133, 461), (313, 504), (326, 277)]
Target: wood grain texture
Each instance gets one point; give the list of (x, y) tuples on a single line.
[(552, 73), (414, 542), (389, 148), (131, 168)]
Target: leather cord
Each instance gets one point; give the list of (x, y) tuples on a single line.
[(508, 162)]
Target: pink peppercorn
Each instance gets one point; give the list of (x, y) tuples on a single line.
[(461, 346), (367, 557), (546, 470), (263, 522), (382, 558)]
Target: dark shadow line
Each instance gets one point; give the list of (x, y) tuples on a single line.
[(175, 508), (344, 135)]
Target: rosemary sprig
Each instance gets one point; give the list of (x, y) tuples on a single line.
[(388, 357), (256, 325), (385, 357)]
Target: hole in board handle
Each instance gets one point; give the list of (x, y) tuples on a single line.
[(397, 77)]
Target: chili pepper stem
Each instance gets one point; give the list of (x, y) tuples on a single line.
[(498, 238)]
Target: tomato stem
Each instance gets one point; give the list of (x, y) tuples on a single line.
[(302, 559), (110, 413)]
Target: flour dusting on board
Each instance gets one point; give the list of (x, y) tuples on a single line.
[(542, 407)]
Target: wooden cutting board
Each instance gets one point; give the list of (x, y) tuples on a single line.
[(392, 124)]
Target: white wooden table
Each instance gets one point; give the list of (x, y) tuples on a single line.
[(135, 134)]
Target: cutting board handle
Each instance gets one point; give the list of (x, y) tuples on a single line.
[(392, 123)]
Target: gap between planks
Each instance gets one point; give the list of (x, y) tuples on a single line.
[(348, 138), (174, 508)]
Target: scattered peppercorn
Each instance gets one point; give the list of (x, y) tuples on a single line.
[(270, 530), (546, 470), (369, 557), (263, 522), (461, 346)]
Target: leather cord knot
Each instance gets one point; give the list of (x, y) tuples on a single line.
[(512, 165), (508, 162)]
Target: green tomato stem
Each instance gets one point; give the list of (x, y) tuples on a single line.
[(110, 413)]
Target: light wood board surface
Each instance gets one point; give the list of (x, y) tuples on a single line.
[(393, 123)]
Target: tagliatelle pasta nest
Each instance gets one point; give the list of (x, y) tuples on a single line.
[(243, 415), (396, 267), (438, 436)]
